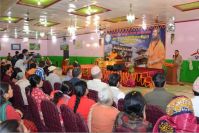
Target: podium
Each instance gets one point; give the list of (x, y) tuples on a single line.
[(171, 77)]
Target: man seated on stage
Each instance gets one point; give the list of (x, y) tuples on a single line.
[(159, 96), (156, 51), (96, 84), (113, 55)]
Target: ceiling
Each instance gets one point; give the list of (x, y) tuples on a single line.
[(159, 10)]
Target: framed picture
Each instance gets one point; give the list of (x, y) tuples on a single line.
[(15, 46), (34, 46)]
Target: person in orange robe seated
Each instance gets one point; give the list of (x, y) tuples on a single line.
[(79, 102), (113, 55), (156, 51)]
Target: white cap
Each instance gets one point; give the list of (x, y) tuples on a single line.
[(51, 68), (95, 70)]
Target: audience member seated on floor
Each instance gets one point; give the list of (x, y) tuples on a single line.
[(96, 84), (7, 111), (6, 72), (15, 58), (40, 70), (179, 118), (195, 99), (79, 102), (133, 117), (59, 98), (52, 76), (22, 83), (102, 115), (114, 83), (14, 77), (11, 126), (69, 75), (77, 75), (67, 88), (159, 96), (36, 92), (31, 70)]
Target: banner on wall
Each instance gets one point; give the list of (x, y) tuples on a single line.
[(135, 44)]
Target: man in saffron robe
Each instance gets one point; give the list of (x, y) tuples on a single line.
[(156, 51)]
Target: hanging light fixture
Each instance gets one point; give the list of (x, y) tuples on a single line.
[(144, 26), (72, 28), (130, 16)]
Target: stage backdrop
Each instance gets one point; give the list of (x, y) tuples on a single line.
[(130, 42)]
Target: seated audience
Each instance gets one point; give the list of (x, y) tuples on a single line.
[(133, 117), (67, 88), (114, 83), (102, 115), (15, 58), (69, 75), (6, 72), (21, 63), (11, 126), (77, 74), (59, 98), (52, 76), (96, 84), (31, 70), (195, 99), (7, 110), (40, 70), (14, 77), (79, 102), (159, 96), (179, 118), (23, 83), (36, 92), (9, 57)]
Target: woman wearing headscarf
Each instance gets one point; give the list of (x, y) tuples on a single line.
[(179, 118)]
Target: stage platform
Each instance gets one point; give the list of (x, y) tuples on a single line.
[(140, 77)]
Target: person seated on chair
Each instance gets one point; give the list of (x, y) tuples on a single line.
[(195, 99), (77, 75), (40, 70), (159, 96), (52, 76), (22, 83), (113, 55), (31, 70), (102, 115), (36, 92), (179, 117), (96, 84), (133, 117), (79, 102), (69, 75), (114, 83)]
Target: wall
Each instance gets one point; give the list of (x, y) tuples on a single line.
[(81, 49), (186, 39), (6, 46)]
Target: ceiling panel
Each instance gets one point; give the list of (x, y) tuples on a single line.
[(57, 12)]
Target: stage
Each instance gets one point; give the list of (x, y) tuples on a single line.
[(140, 77)]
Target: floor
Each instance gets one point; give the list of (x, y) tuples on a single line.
[(185, 90)]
